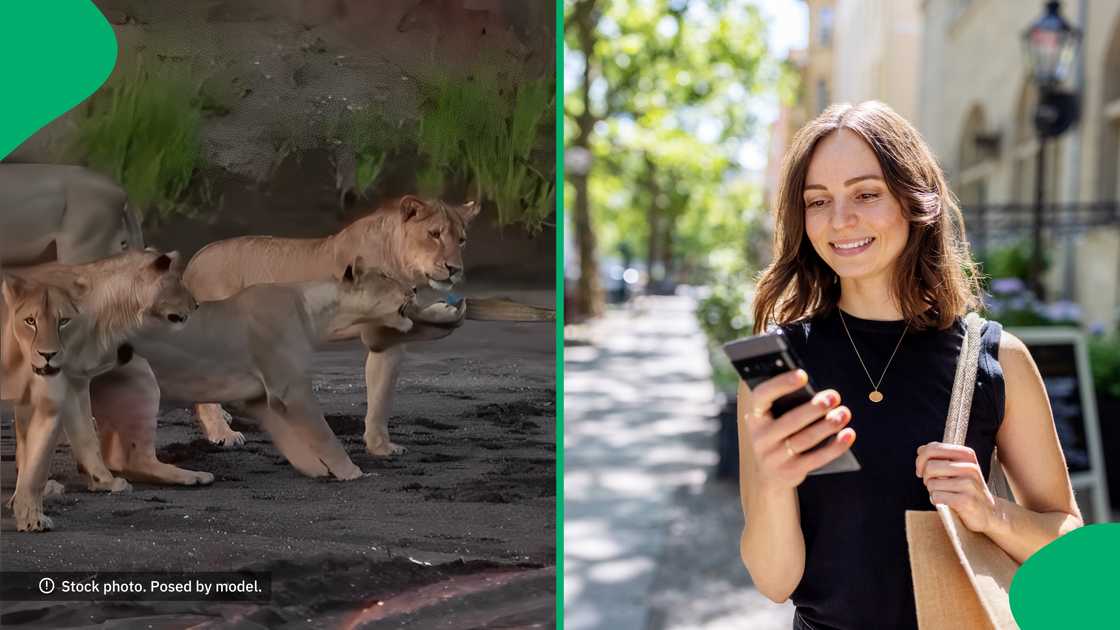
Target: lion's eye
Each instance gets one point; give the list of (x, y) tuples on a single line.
[(462, 242), (64, 322), (433, 233), (30, 321)]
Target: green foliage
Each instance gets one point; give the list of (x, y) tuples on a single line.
[(373, 140), (1104, 361), (485, 132), (1011, 261), (143, 130), (725, 314), (672, 87)]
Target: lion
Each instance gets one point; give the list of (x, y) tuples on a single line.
[(117, 296), (415, 240), (65, 213), (74, 216), (36, 326), (255, 348)]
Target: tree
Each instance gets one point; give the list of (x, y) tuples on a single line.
[(661, 100), (581, 23)]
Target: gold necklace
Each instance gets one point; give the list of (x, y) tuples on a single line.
[(875, 395)]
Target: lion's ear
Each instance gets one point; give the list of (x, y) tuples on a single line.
[(411, 207), (354, 271), (13, 287), (469, 211), (165, 261)]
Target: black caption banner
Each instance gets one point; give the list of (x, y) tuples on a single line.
[(135, 586)]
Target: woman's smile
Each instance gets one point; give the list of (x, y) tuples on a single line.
[(852, 247)]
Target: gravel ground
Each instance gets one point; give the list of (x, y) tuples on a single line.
[(477, 413)]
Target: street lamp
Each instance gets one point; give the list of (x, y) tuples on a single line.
[(1050, 45)]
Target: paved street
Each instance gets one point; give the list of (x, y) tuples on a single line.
[(649, 541)]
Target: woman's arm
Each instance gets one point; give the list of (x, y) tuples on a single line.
[(1031, 457), (773, 461), (772, 546)]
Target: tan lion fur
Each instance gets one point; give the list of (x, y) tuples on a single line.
[(415, 240), (122, 293), (255, 348)]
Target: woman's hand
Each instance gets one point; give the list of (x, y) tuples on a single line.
[(780, 445), (953, 477)]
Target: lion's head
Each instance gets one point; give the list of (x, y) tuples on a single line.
[(433, 235), (370, 296), (157, 279), (41, 318), (172, 302)]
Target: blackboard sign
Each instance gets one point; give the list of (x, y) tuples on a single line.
[(1057, 362), (1063, 362)]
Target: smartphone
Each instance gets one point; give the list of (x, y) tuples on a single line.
[(763, 357)]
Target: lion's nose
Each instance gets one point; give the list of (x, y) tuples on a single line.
[(453, 270), (176, 318)]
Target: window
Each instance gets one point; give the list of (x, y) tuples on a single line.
[(822, 95), (825, 25)]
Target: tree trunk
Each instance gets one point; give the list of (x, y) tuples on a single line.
[(589, 297), (667, 260)]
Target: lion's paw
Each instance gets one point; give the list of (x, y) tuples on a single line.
[(229, 440), (30, 517), (197, 478), (347, 473), (442, 313), (385, 449), (113, 484)]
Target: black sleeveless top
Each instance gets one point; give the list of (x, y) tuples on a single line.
[(857, 567)]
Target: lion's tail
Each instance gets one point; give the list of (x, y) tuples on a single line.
[(504, 310)]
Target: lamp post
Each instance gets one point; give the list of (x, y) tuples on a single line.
[(1050, 45)]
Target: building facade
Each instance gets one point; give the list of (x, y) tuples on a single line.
[(976, 108), (877, 52)]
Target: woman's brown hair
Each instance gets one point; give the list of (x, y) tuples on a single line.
[(935, 268)]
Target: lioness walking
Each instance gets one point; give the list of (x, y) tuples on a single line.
[(420, 242), (256, 347)]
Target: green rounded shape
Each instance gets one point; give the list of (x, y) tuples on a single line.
[(1070, 583), (54, 54)]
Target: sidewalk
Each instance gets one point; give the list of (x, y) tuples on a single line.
[(649, 543)]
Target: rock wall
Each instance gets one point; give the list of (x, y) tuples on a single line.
[(284, 71)]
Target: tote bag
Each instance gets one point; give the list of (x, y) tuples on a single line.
[(961, 578)]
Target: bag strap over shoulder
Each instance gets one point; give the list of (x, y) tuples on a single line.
[(960, 404), (964, 384)]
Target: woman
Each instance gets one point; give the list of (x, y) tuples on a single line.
[(870, 282)]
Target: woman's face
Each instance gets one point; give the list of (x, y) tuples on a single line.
[(854, 223)]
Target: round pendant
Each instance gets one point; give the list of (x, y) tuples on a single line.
[(876, 396)]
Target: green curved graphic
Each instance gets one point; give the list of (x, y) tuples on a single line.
[(1070, 583), (53, 54)]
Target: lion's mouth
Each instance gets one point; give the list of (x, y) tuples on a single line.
[(441, 285), (46, 370)]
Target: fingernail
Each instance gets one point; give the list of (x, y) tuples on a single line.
[(798, 377)]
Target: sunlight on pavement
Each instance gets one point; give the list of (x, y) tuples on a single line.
[(639, 432)]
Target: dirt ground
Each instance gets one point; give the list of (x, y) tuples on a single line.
[(459, 530)]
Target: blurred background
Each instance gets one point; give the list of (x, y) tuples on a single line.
[(677, 115)]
